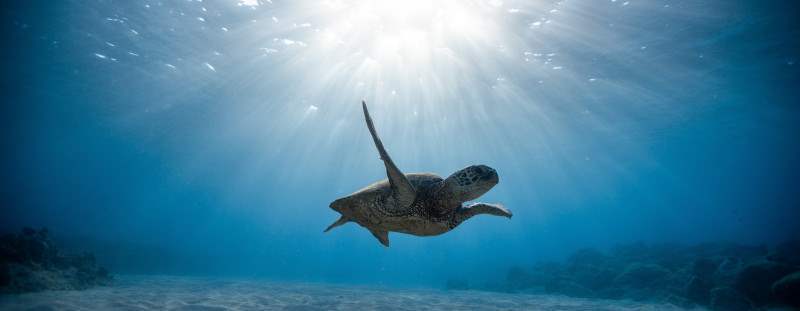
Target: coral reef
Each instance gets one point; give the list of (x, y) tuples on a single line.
[(30, 262), (719, 276)]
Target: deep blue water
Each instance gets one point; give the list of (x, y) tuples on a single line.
[(209, 137)]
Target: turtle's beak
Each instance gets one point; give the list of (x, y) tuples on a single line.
[(488, 174), (336, 205)]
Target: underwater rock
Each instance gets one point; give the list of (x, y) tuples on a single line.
[(699, 287), (727, 271), (698, 290), (755, 280), (787, 253), (645, 294), (631, 252), (728, 299), (591, 269), (679, 301), (30, 262), (787, 289), (641, 275), (722, 276), (704, 267), (593, 277), (568, 287), (538, 277)]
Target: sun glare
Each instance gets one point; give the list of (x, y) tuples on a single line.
[(408, 30)]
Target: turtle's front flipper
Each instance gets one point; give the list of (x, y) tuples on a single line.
[(402, 190), (489, 208), (467, 212)]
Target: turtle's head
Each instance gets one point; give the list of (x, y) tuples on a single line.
[(471, 182), (342, 205)]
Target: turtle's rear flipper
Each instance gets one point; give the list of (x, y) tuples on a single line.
[(381, 235), (342, 220)]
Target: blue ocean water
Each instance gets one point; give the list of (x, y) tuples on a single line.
[(208, 138)]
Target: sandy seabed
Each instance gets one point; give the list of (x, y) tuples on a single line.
[(189, 293)]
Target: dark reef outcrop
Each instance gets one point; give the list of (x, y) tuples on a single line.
[(719, 276), (755, 280), (29, 262), (787, 289)]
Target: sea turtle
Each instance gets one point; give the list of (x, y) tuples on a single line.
[(421, 204)]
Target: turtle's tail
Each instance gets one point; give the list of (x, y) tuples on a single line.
[(342, 220)]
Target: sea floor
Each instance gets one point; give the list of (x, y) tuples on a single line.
[(190, 293)]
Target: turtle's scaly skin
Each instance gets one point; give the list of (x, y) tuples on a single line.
[(370, 207), (421, 204)]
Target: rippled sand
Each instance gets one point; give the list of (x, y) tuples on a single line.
[(185, 293)]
